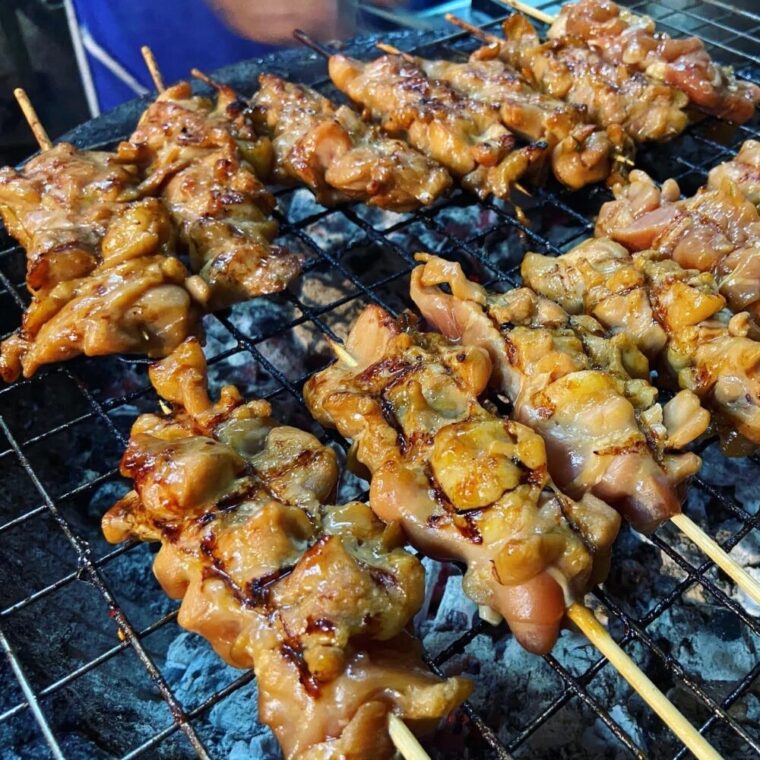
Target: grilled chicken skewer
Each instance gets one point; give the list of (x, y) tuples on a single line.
[(717, 230), (205, 160), (675, 316), (584, 391), (743, 170), (59, 205), (100, 263), (623, 37), (314, 597), (466, 136), (337, 155), (466, 484), (612, 95), (581, 153)]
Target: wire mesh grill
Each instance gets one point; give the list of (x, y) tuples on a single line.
[(91, 666)]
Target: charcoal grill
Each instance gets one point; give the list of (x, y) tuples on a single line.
[(94, 664)]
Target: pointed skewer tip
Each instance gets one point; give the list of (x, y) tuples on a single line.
[(341, 353), (394, 51), (475, 31), (152, 66), (529, 10), (39, 132)]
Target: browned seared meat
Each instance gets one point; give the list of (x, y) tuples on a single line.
[(673, 314), (339, 156), (612, 94), (205, 160), (717, 230), (743, 170), (464, 483), (586, 393), (59, 205), (136, 300), (313, 597), (464, 135), (581, 153), (624, 37)]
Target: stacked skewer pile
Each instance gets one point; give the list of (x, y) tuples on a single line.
[(531, 502)]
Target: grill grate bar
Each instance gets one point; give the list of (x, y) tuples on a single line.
[(741, 688), (574, 688), (98, 581), (674, 667), (34, 705), (91, 665)]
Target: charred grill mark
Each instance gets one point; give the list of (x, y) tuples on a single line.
[(232, 501), (292, 651), (216, 570), (383, 578), (587, 542), (390, 366), (169, 531), (258, 593), (303, 459), (401, 369), (389, 415), (260, 589), (319, 625), (463, 521), (634, 447), (467, 526)]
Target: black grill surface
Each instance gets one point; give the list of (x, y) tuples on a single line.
[(94, 663)]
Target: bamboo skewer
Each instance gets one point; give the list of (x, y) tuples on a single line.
[(475, 31), (404, 740), (718, 555), (529, 10), (40, 134), (598, 635), (205, 78), (155, 72)]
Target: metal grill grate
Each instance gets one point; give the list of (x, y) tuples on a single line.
[(73, 689)]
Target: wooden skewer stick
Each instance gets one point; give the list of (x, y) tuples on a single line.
[(404, 740), (304, 39), (395, 51), (529, 10), (719, 556), (155, 72), (341, 353), (598, 635), (40, 134), (475, 31), (205, 78), (209, 80)]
